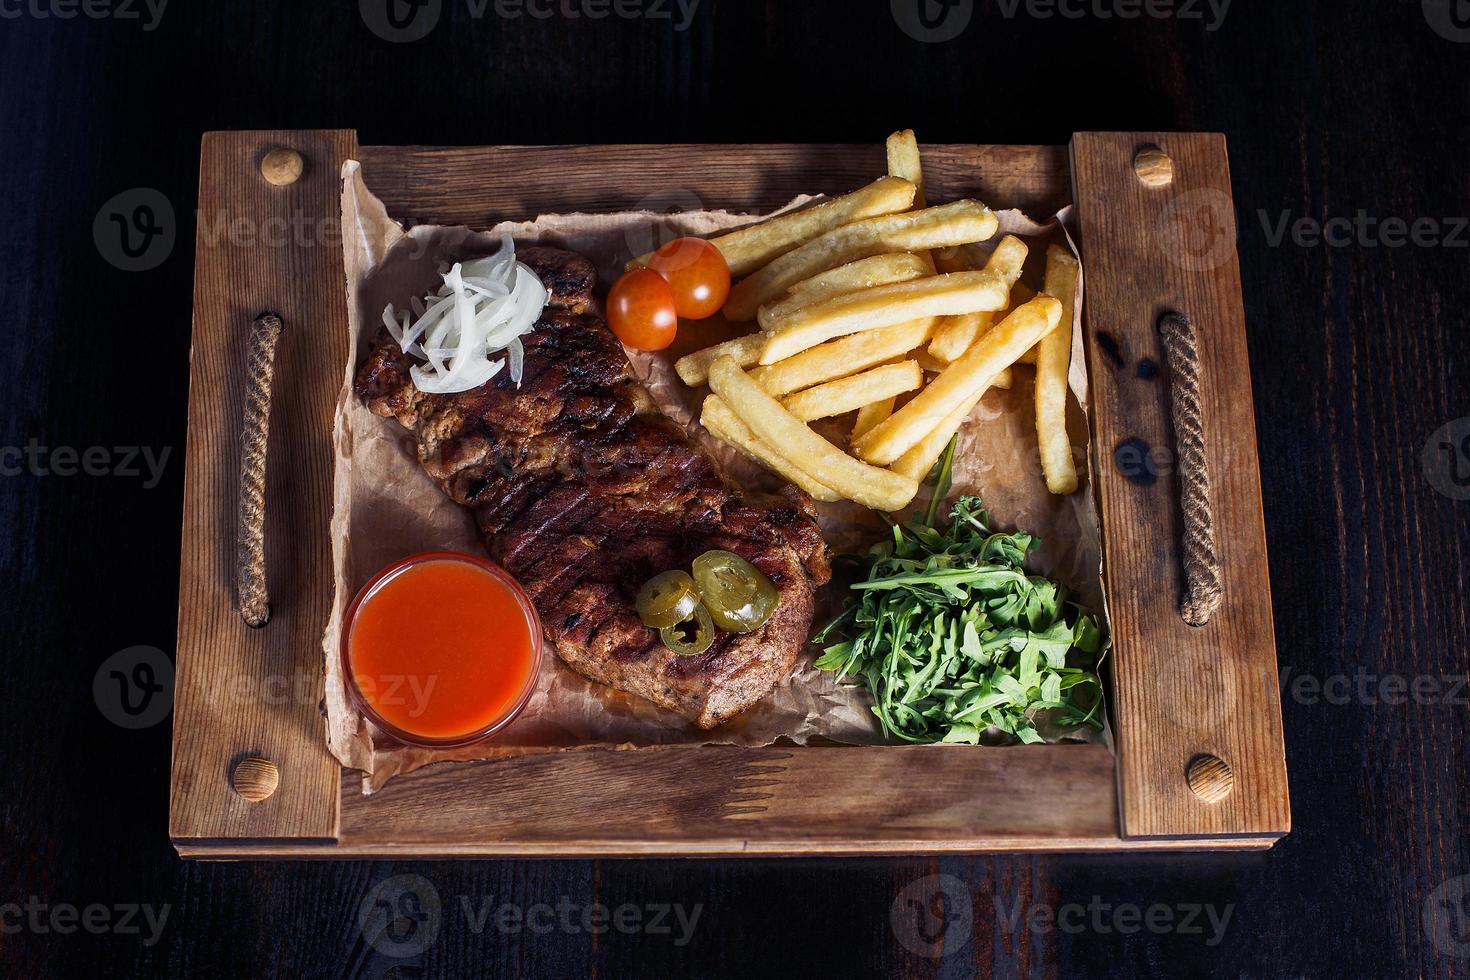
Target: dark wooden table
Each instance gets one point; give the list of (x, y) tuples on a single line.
[(1347, 132)]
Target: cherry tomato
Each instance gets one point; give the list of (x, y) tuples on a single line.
[(697, 273), (640, 310)]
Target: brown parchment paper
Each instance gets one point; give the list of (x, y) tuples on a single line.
[(386, 507)]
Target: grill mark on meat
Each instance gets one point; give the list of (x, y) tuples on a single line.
[(569, 277), (583, 491), (556, 580), (561, 512), (507, 499)]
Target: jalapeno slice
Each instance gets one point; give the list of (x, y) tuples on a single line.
[(692, 636), (667, 599), (739, 598)]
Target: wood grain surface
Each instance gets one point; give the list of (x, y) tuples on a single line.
[(248, 260), (726, 800), (729, 801), (1179, 691), (482, 185), (1358, 353)]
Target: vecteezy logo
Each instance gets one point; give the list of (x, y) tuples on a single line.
[(134, 688), (933, 916), (1204, 225), (1446, 917), (1450, 19), (135, 230), (400, 21), (400, 916), (933, 21), (1446, 459)]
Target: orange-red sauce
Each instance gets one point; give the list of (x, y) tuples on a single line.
[(443, 649)]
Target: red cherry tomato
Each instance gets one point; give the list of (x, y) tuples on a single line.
[(697, 273), (640, 310)]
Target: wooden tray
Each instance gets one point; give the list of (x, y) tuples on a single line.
[(1151, 242)]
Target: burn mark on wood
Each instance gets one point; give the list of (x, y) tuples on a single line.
[(1148, 369), (1110, 348), (1134, 460)]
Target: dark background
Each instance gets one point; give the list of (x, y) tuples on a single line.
[(1358, 357)]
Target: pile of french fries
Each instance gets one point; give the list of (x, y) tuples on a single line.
[(868, 299)]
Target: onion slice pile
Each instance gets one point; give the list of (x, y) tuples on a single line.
[(482, 310)]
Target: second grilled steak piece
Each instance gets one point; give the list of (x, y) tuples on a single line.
[(584, 491)]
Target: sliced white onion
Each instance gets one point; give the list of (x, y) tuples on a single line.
[(517, 360), (483, 309)]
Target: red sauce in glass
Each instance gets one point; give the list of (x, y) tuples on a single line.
[(442, 648)]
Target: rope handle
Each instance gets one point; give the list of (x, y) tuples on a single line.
[(1202, 589), (250, 584)]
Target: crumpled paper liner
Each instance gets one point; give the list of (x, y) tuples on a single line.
[(386, 507)]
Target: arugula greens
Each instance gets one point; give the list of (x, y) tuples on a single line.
[(957, 643)]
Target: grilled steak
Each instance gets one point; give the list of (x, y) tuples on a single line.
[(584, 491)]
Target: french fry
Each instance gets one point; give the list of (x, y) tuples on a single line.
[(928, 361), (693, 369), (882, 306), (726, 426), (918, 461), (960, 382), (872, 271), (849, 394), (934, 365), (856, 352), (750, 248), (955, 335), (904, 161), (868, 485), (880, 270), (1022, 293), (950, 224), (870, 415), (1008, 258), (1053, 357)]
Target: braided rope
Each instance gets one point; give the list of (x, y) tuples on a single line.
[(250, 586), (1203, 591)]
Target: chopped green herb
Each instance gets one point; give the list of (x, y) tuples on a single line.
[(957, 643)]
